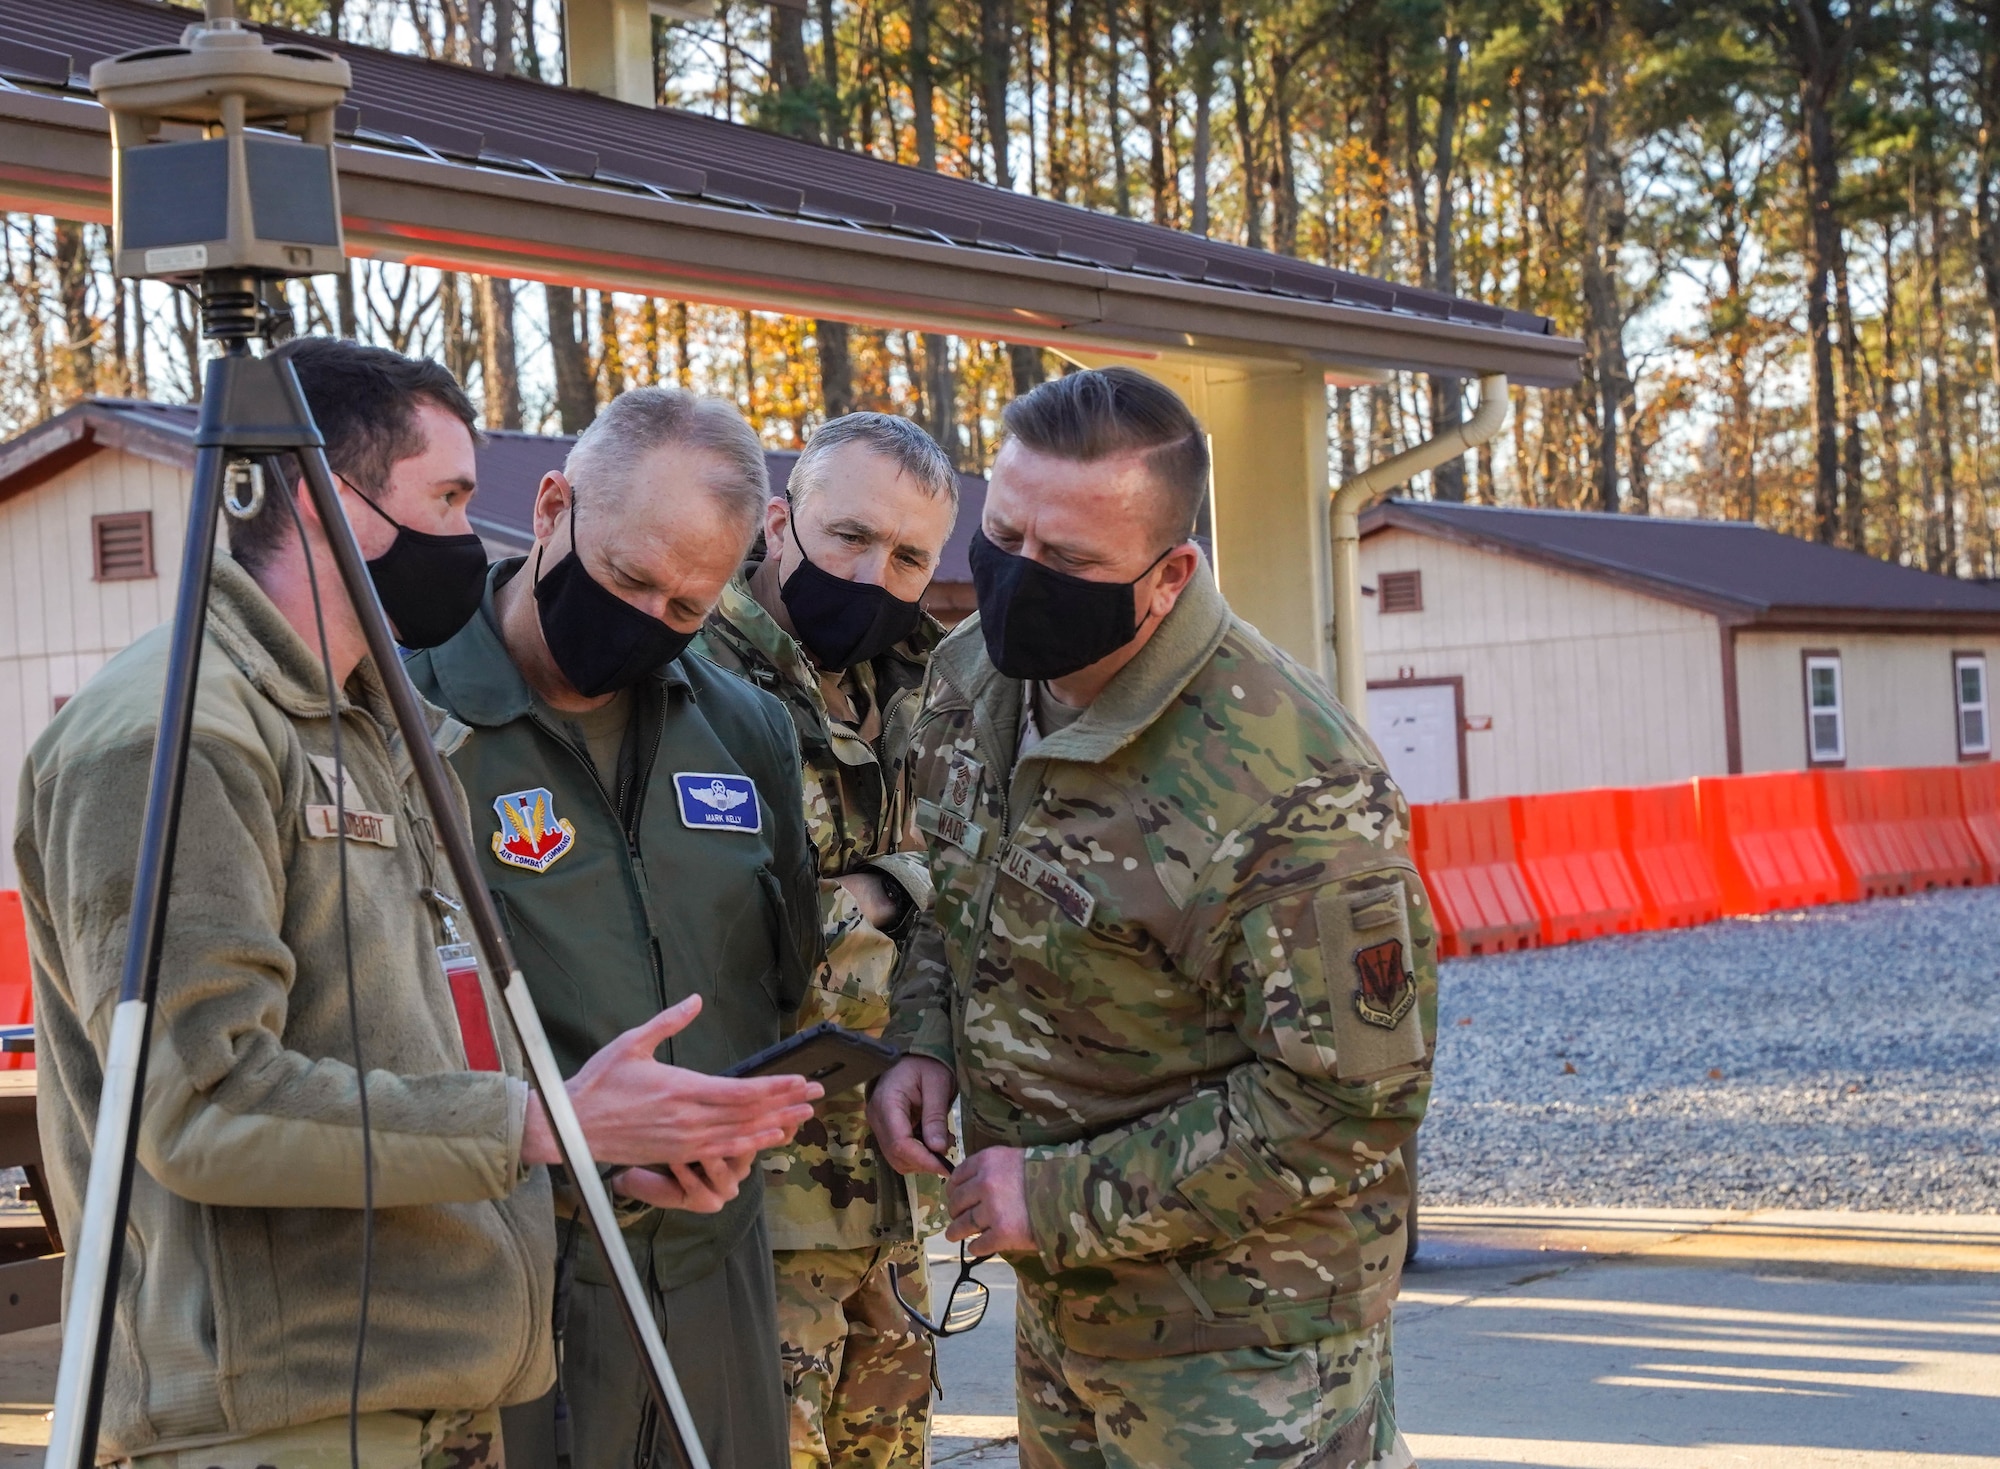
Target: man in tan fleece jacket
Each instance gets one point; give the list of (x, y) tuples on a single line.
[(238, 1308)]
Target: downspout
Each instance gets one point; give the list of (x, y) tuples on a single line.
[(1342, 540)]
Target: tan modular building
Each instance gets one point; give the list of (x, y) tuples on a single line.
[(1516, 651)]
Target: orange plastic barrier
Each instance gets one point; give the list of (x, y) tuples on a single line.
[(17, 991), (1465, 850), (1900, 831), (1979, 803), (1765, 836), (1677, 880), (1575, 864)]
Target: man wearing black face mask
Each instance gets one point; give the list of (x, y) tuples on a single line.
[(642, 818), (1179, 967), (827, 619)]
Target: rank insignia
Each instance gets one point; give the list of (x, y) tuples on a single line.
[(718, 802), (531, 835), (1388, 989), (961, 779)]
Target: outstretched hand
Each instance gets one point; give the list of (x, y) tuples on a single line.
[(635, 1109)]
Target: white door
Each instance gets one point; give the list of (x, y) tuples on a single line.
[(1417, 727)]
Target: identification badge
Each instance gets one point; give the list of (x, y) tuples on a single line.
[(362, 826), (961, 784), (718, 802), (1071, 896), (531, 835), (468, 999)]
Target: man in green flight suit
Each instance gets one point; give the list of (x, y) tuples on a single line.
[(1180, 970), (646, 841), (828, 620)]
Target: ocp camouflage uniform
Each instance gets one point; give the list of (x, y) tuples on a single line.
[(857, 1373), (1179, 953)]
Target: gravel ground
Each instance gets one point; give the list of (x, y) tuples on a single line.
[(1844, 1058)]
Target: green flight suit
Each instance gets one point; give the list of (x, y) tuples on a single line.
[(618, 903)]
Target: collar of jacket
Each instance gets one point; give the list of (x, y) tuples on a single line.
[(478, 676), (269, 651), (1130, 703), (741, 619)]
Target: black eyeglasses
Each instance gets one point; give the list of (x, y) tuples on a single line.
[(964, 1308)]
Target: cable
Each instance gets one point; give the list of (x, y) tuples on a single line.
[(279, 486)]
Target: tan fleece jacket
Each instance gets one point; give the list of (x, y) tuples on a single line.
[(238, 1304)]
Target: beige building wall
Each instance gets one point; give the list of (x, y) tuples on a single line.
[(1896, 688), (59, 626), (1586, 683)]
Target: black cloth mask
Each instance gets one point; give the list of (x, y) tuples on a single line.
[(844, 622), (600, 641), (429, 585), (1042, 624)]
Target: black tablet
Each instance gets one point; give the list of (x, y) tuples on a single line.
[(829, 1054)]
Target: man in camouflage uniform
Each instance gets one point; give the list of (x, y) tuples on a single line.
[(1179, 968), (827, 619)]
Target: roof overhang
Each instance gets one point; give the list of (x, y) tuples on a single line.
[(429, 210), (72, 436), (1730, 611)]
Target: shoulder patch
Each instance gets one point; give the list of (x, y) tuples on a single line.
[(531, 835), (711, 802)]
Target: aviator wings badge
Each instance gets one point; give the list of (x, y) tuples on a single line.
[(531, 835)]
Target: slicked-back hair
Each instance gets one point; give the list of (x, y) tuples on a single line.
[(365, 401), (901, 442), (1101, 413), (644, 420)]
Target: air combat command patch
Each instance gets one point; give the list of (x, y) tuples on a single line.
[(1388, 989), (531, 835)]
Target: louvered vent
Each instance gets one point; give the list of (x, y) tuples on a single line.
[(122, 546), (1402, 591)]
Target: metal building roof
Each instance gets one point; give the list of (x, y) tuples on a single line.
[(448, 165), (1742, 572)]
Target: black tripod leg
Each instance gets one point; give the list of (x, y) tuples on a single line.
[(442, 798), (100, 1245)]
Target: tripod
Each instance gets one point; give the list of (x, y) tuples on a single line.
[(251, 408)]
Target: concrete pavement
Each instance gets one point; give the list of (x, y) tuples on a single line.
[(1652, 1339), (1581, 1339)]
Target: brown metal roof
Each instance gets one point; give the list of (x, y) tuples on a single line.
[(1743, 573), (1065, 273)]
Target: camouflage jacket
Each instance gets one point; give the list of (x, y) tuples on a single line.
[(1181, 955), (831, 1188)]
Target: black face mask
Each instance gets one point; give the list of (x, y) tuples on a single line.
[(600, 641), (429, 585), (844, 622), (1044, 624)]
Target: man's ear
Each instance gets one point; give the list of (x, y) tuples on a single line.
[(1176, 571), (552, 499), (777, 520)]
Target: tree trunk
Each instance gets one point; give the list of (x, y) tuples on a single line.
[(76, 363), (834, 108), (461, 347), (576, 399), (1602, 195), (1886, 407), (683, 368), (1207, 23), (1819, 72), (1284, 177), (343, 301), (500, 365), (1114, 77), (1852, 489), (503, 37), (922, 101), (996, 55), (941, 394), (1246, 134), (1447, 393), (836, 367), (1156, 107)]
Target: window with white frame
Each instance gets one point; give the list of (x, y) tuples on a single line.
[(1826, 716), (1968, 677)]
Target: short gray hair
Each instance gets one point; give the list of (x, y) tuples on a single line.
[(901, 442), (636, 423)]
